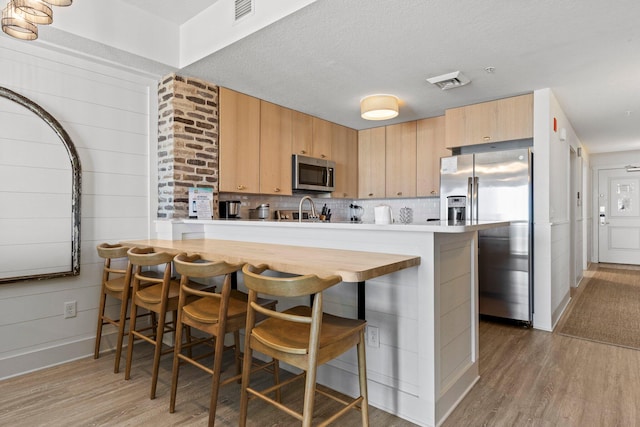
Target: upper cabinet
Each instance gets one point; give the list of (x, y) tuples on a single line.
[(239, 147), (430, 147), (501, 120), (344, 151), (400, 160), (371, 163), (275, 149), (322, 135), (301, 133)]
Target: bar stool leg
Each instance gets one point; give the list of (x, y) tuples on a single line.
[(132, 327), (176, 363), (362, 376), (156, 355), (103, 300)]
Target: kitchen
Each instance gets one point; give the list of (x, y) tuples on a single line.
[(117, 156)]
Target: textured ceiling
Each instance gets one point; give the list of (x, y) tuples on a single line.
[(325, 57)]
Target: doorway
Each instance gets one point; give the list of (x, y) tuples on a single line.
[(619, 216)]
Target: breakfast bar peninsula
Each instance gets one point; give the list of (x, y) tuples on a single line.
[(418, 293)]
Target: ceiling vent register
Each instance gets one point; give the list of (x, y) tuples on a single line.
[(450, 80), (243, 8)]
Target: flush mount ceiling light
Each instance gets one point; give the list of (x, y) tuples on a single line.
[(450, 80), (379, 107), (21, 17)]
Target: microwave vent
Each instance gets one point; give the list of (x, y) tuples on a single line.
[(450, 80)]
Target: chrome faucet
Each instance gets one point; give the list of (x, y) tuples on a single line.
[(314, 215)]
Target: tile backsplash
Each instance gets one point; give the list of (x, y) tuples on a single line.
[(423, 208)]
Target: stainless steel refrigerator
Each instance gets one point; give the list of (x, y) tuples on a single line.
[(496, 186)]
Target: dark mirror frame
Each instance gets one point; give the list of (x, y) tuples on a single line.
[(75, 190)]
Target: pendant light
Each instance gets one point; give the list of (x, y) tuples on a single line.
[(16, 26), (20, 19)]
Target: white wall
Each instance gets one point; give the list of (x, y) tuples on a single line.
[(600, 161), (111, 118), (552, 226)]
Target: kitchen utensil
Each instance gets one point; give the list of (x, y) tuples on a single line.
[(383, 214), (406, 215), (229, 208), (355, 212), (264, 211)]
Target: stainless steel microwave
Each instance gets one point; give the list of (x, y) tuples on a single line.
[(311, 174)]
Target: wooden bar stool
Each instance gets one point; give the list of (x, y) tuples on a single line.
[(215, 314), (159, 296), (116, 282), (302, 336)]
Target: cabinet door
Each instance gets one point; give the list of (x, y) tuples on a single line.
[(430, 147), (344, 150), (321, 138), (515, 118), (401, 160), (371, 163), (302, 133), (502, 120), (239, 142), (275, 149)]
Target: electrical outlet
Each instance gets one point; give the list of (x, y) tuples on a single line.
[(69, 309), (373, 336)]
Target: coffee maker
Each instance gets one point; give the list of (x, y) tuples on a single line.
[(456, 208), (229, 209)]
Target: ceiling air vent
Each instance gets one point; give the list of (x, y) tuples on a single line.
[(449, 81), (243, 8)]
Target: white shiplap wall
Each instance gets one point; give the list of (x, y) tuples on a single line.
[(111, 115)]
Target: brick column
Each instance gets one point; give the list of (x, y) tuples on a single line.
[(187, 142)]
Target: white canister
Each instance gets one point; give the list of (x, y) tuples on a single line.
[(383, 214)]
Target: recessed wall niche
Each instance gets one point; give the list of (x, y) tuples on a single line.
[(40, 182)]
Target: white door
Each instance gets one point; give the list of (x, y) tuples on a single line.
[(619, 216)]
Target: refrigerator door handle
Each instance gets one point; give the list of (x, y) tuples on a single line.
[(475, 198), (470, 203)]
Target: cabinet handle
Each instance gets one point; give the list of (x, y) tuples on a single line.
[(344, 194), (241, 187), (487, 138), (277, 190), (370, 194), (303, 152), (433, 191), (399, 193), (323, 156)]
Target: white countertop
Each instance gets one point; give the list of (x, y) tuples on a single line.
[(430, 226)]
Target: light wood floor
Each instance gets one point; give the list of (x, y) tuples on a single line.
[(536, 378), (528, 378), (86, 392)]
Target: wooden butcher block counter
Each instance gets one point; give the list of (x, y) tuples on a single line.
[(352, 266)]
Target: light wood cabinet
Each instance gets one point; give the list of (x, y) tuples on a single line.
[(275, 149), (239, 148), (301, 133), (371, 163), (400, 160), (501, 120), (344, 151), (430, 147), (322, 134)]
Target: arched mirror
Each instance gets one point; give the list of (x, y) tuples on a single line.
[(39, 191)]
